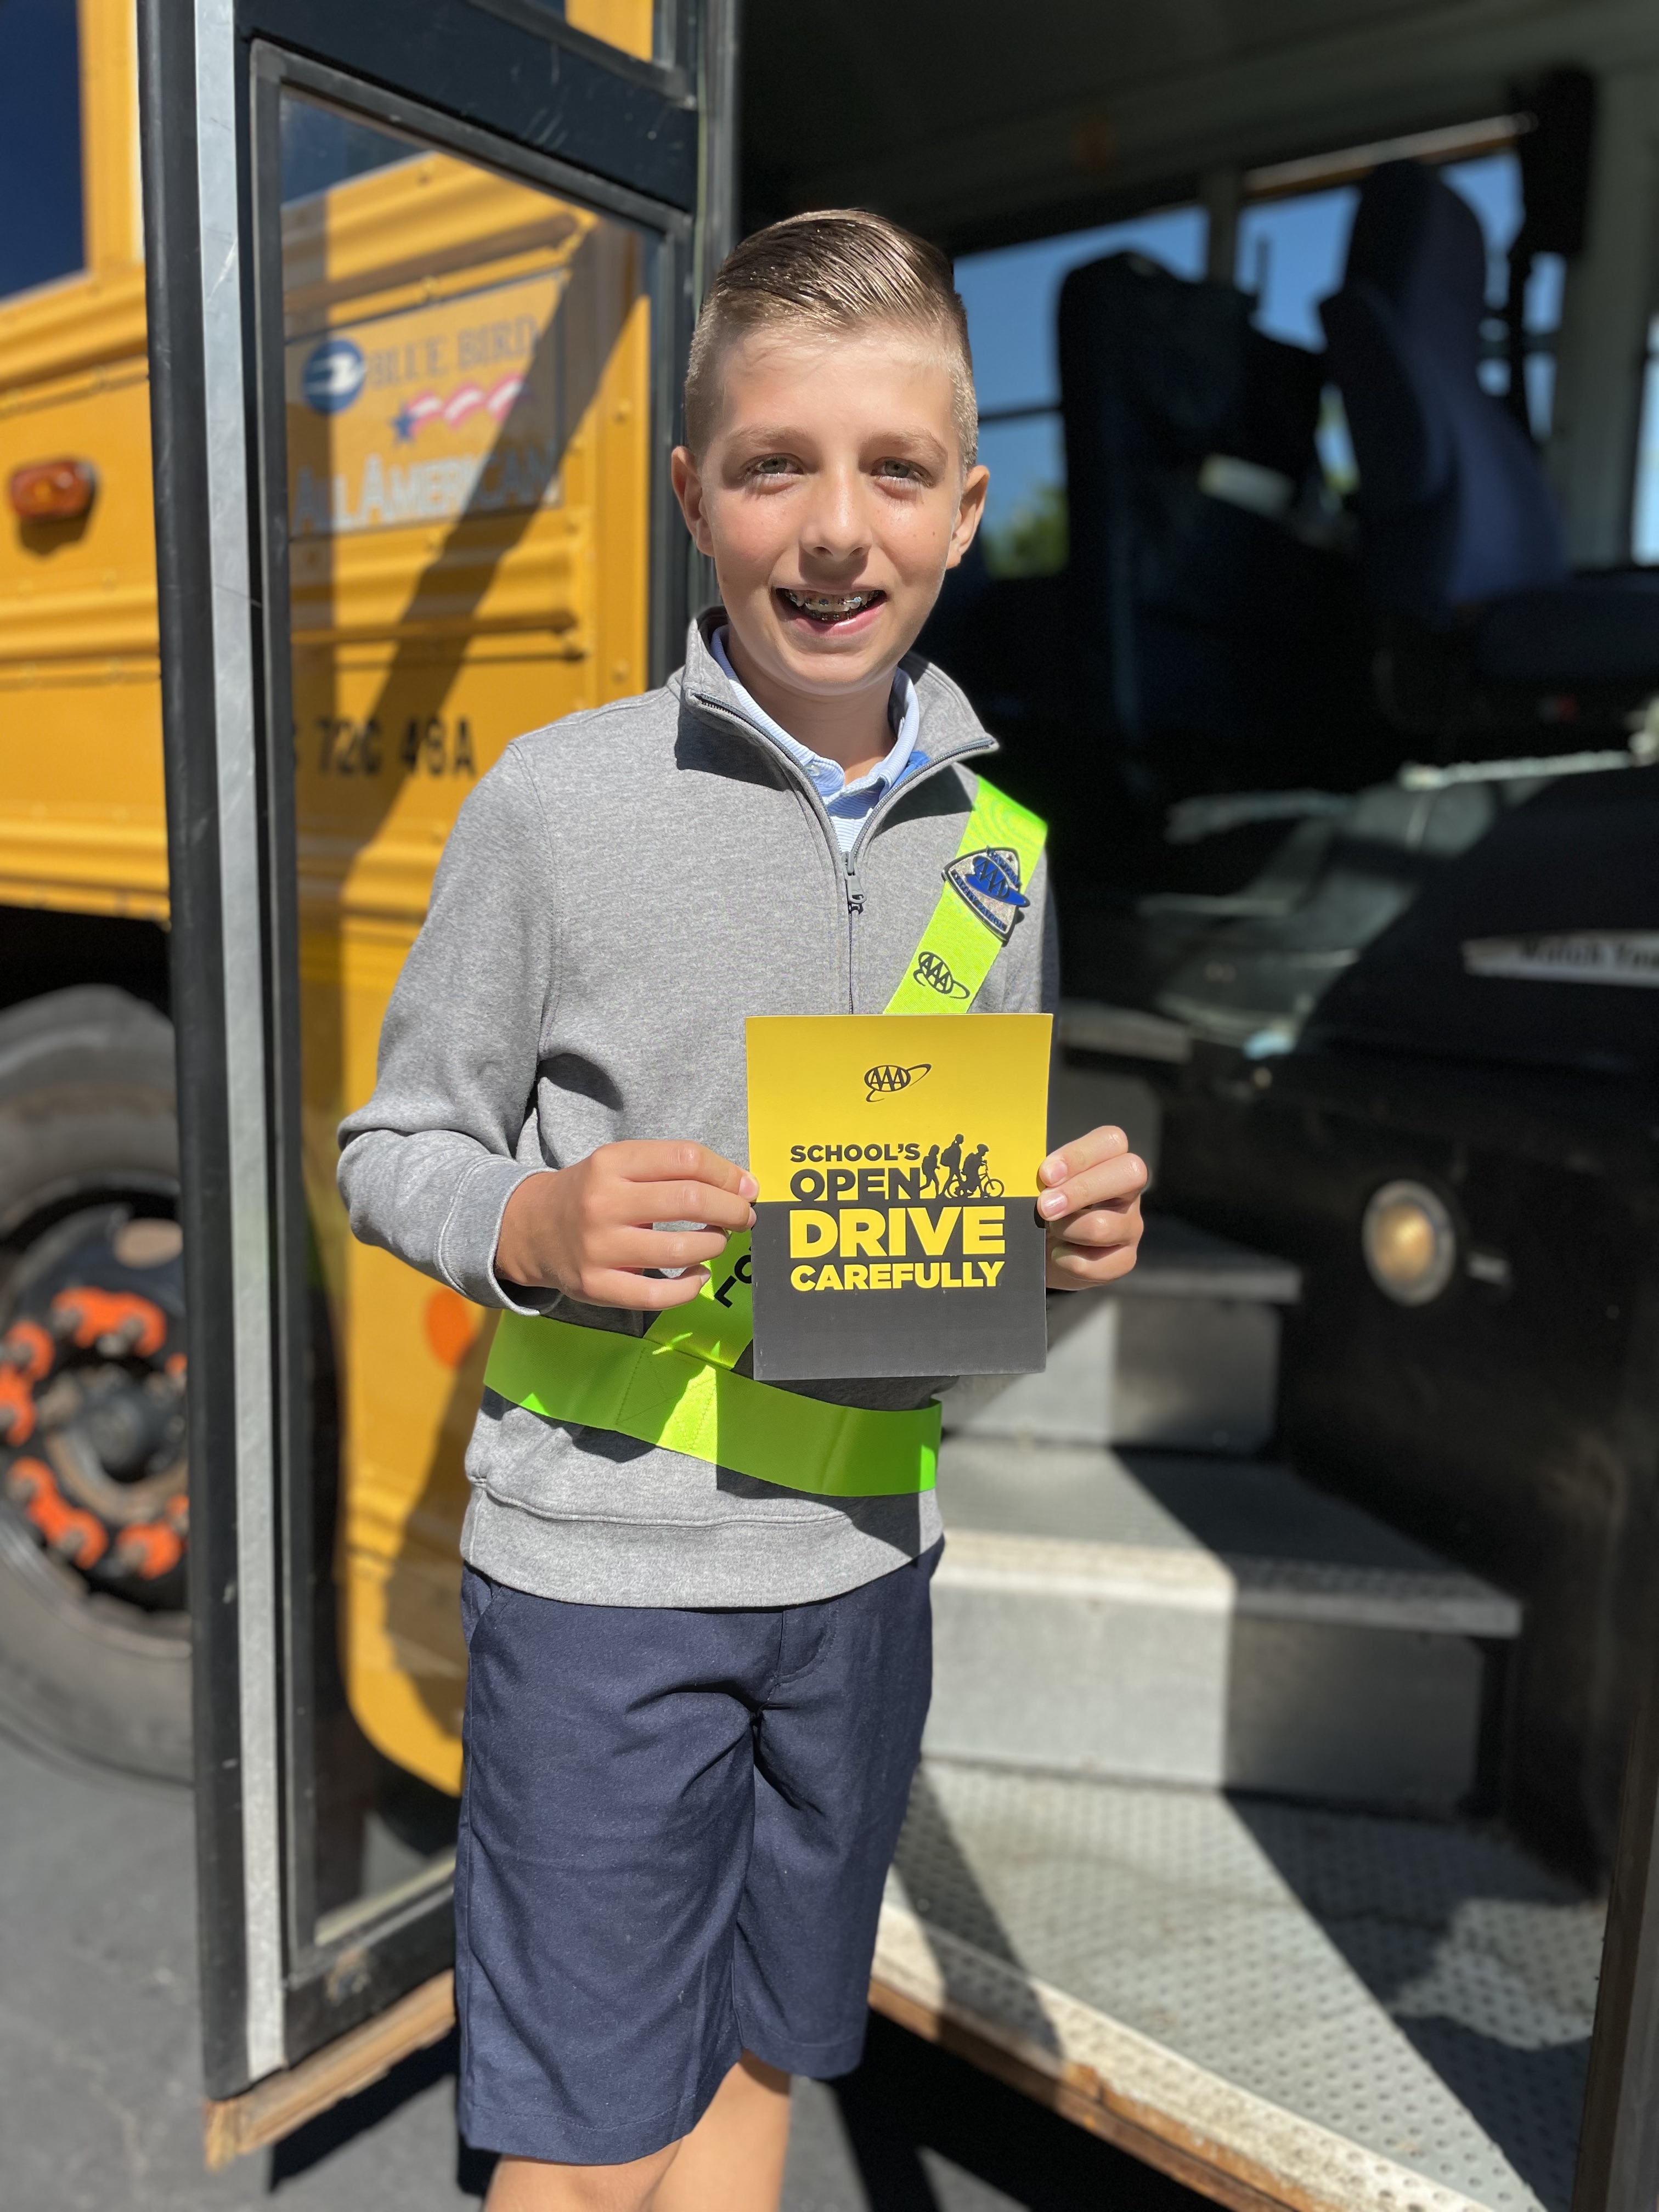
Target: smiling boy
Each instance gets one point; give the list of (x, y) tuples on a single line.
[(696, 1689)]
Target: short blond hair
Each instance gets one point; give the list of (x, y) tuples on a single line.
[(835, 270)]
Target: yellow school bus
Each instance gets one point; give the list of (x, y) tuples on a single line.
[(1295, 1632), (468, 393)]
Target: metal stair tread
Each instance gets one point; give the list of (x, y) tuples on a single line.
[(1178, 1261), (1422, 1990), (1193, 1534), (1091, 1026)]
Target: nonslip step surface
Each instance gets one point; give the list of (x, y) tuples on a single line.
[(1254, 1531), (1202, 1621), (1373, 2013)]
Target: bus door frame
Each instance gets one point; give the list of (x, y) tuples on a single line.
[(495, 82)]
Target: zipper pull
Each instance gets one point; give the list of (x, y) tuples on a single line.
[(854, 888)]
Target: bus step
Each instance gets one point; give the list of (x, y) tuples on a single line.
[(1183, 1353), (1329, 2011), (1178, 1619)]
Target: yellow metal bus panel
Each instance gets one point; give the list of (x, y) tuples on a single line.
[(458, 591), (82, 821), (450, 587)]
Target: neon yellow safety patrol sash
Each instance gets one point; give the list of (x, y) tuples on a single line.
[(675, 1386)]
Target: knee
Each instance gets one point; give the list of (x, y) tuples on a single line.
[(528, 2185)]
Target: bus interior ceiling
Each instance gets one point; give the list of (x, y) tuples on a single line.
[(1332, 665)]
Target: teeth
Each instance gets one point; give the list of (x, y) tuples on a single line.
[(829, 603)]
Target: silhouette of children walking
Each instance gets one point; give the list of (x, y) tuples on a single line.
[(951, 1159), (930, 1168)]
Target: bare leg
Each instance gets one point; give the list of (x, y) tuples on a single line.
[(529, 2185), (731, 2161)]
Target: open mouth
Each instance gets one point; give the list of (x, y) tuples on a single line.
[(827, 609)]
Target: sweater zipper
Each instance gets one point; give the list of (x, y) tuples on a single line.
[(851, 884), (854, 908)]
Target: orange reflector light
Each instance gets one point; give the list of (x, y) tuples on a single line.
[(52, 491)]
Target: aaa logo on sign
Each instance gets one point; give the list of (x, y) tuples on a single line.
[(882, 1081)]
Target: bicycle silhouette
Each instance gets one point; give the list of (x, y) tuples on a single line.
[(946, 1173), (973, 1186)]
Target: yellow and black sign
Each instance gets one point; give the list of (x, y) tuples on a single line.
[(895, 1232)]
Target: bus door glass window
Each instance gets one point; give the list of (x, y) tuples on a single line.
[(43, 237), (466, 387), (1012, 297)]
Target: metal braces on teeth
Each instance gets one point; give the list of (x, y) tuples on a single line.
[(829, 603)]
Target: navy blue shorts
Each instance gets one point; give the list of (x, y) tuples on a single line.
[(674, 1829)]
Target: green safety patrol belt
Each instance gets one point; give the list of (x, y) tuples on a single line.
[(676, 1386)]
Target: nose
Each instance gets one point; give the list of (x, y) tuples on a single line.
[(835, 529)]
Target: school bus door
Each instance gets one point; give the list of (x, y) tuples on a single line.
[(418, 301), (419, 287)]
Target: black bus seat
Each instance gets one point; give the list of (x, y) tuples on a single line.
[(1217, 646), (1485, 629)]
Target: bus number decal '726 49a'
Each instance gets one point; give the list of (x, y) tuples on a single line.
[(345, 747)]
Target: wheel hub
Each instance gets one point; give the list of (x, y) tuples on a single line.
[(92, 1403)]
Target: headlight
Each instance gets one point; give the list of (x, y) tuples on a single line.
[(1409, 1242)]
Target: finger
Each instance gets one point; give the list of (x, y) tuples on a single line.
[(699, 1201), (629, 1246), (1070, 1268), (640, 1204), (651, 1159), (615, 1286), (1114, 1181), (1100, 1226), (1082, 1152)]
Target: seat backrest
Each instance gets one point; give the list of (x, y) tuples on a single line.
[(1454, 507), (1159, 375)]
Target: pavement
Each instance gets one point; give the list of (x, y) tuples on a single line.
[(100, 2090)]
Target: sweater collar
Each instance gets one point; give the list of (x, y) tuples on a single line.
[(947, 727)]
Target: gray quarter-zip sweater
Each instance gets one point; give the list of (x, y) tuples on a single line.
[(619, 892)]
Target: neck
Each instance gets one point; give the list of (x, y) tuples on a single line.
[(852, 731)]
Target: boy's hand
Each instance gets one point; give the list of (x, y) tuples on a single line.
[(1090, 1205), (587, 1230)]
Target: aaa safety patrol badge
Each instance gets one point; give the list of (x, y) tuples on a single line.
[(895, 1232)]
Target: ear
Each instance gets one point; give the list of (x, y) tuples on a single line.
[(970, 509), (687, 489)]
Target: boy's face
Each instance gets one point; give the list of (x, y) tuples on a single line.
[(831, 498)]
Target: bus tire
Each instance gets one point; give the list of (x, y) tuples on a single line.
[(87, 1121)]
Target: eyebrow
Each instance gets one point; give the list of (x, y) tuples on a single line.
[(919, 442), (770, 438), (769, 434)]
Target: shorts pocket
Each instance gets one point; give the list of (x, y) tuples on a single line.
[(478, 1595)]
